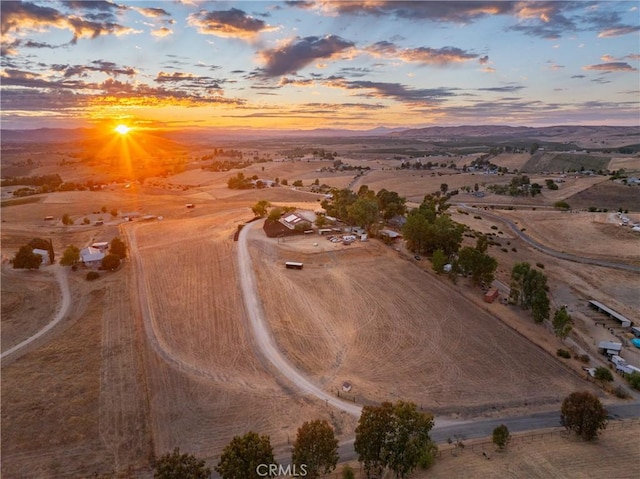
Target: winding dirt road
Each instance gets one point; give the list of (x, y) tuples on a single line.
[(263, 338), (60, 274), (549, 251)]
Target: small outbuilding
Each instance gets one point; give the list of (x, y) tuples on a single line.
[(609, 348), (91, 257), (491, 295), (44, 254)]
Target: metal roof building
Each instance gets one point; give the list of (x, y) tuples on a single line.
[(624, 322)]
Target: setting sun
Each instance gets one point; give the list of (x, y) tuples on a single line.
[(122, 129)]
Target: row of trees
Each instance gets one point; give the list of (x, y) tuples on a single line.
[(389, 436)]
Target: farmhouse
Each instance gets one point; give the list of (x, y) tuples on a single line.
[(624, 322), (44, 253), (91, 257)]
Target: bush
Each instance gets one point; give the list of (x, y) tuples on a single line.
[(585, 358), (634, 380), (92, 275), (563, 353), (603, 374), (494, 227), (621, 392), (477, 217), (540, 265), (347, 472), (514, 249), (110, 262), (505, 250)]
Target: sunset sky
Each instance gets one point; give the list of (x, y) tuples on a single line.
[(319, 64)]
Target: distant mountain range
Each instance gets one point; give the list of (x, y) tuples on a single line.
[(204, 135)]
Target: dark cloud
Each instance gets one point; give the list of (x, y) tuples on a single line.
[(578, 76), (103, 6), (483, 60), (101, 66), (422, 55), (618, 31), (395, 91), (233, 23), (284, 81), (441, 11), (299, 52), (503, 89), (611, 67), (355, 72), (29, 16)]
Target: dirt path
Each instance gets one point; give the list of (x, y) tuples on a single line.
[(60, 274), (551, 252), (263, 337)]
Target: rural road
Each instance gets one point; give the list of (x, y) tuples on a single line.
[(263, 338), (60, 274), (551, 252)]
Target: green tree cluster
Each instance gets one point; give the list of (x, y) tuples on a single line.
[(110, 262), (603, 374), (180, 466), (118, 248), (365, 207), (70, 256), (529, 290), (562, 323), (429, 228), (393, 436), (315, 447), (239, 182), (242, 456), (25, 258), (583, 413), (477, 263), (501, 436), (260, 208)]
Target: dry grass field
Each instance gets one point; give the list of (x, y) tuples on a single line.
[(556, 454), (76, 405), (607, 194), (28, 302), (395, 332), (596, 235), (630, 164), (206, 383), (158, 354)]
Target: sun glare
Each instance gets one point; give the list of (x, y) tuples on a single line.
[(122, 129)]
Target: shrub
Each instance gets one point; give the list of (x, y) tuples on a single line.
[(494, 227), (347, 472), (514, 249), (634, 380), (603, 374), (86, 221), (585, 358), (477, 217), (505, 250), (621, 392), (563, 353), (563, 205), (540, 265), (92, 275)]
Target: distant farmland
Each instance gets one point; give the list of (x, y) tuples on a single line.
[(564, 162)]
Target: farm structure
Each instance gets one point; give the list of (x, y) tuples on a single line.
[(624, 322), (44, 254), (609, 348), (91, 257), (101, 245), (293, 265), (491, 295), (636, 331)]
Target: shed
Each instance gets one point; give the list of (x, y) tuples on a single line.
[(491, 295), (636, 331), (624, 322), (610, 348), (390, 234), (44, 253), (101, 245)]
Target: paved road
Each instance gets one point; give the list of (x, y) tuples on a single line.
[(551, 252), (60, 274)]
